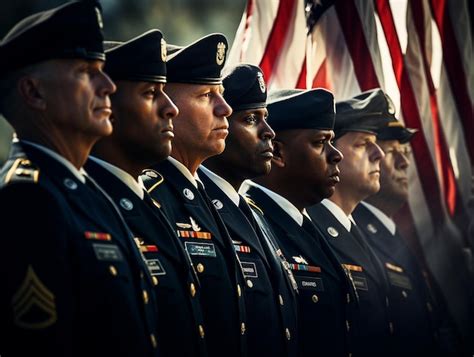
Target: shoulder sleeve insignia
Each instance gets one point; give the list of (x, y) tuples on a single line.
[(33, 304), (251, 203), (22, 170), (152, 179)]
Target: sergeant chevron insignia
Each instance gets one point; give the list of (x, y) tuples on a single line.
[(33, 304)]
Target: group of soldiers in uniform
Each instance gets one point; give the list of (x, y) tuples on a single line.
[(156, 203)]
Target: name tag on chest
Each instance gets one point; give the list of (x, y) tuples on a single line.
[(310, 283), (201, 249)]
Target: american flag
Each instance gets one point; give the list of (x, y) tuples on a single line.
[(422, 49)]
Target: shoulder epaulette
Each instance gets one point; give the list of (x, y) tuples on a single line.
[(22, 170), (155, 180), (251, 202)]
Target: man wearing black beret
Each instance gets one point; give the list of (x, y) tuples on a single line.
[(195, 85), (269, 295), (73, 280), (304, 171), (424, 324), (142, 117), (357, 120)]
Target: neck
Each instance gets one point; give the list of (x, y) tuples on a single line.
[(346, 202), (219, 168), (283, 190), (387, 205), (75, 151), (188, 159)]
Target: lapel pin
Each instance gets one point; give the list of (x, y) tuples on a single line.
[(333, 232), (126, 204), (188, 194)]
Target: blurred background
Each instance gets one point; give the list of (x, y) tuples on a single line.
[(181, 21)]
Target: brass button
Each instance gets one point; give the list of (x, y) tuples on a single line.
[(281, 299), (429, 307), (239, 291), (145, 297), (315, 298), (200, 268), (348, 298), (348, 326), (201, 331), (192, 289), (287, 334), (154, 280), (242, 328), (113, 270), (390, 326), (153, 340), (404, 294), (249, 283)]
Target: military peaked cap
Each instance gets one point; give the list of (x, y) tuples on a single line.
[(143, 58), (366, 112), (244, 87), (395, 130), (301, 109), (73, 30), (198, 63)]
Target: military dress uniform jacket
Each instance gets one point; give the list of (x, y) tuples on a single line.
[(177, 296), (270, 305), (73, 280), (375, 327), (205, 238), (326, 300), (414, 323)]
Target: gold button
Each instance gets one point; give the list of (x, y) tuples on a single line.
[(113, 270), (281, 299), (145, 297), (200, 268), (429, 307), (315, 298), (249, 283), (404, 294), (192, 289), (242, 328), (239, 291), (154, 280), (390, 326), (153, 340), (288, 334), (348, 298), (201, 331), (348, 326)]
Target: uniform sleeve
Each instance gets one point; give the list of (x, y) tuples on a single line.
[(36, 298)]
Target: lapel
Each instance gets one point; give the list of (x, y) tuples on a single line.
[(344, 244), (196, 207), (297, 236), (238, 224), (80, 197), (142, 219)]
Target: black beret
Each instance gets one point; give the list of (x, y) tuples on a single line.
[(301, 109), (140, 59), (198, 63), (73, 30), (244, 87), (366, 112)]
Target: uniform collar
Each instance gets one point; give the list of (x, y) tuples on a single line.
[(281, 201), (223, 185), (382, 217), (135, 185), (79, 174), (338, 213), (184, 170)]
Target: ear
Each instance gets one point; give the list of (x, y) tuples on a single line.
[(30, 90), (278, 154)]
